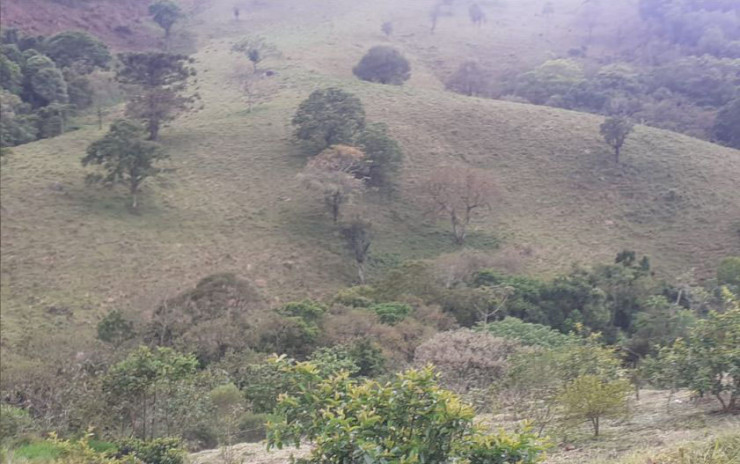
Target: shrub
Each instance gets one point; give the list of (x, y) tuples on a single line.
[(14, 422), (158, 451), (115, 329), (391, 313), (465, 359), (728, 272), (360, 296), (591, 398), (384, 65), (408, 419), (528, 333)]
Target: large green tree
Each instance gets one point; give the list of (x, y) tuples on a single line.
[(328, 117), (159, 80), (125, 156), (77, 48)]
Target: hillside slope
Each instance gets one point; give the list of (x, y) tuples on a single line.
[(71, 252)]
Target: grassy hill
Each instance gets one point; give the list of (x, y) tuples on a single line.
[(71, 252)]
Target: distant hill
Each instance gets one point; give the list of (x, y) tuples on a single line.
[(71, 252)]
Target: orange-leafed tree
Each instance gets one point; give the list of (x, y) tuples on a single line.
[(336, 172)]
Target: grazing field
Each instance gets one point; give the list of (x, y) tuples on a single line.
[(72, 252)]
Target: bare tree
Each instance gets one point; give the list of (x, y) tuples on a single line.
[(477, 15), (458, 193), (434, 16)]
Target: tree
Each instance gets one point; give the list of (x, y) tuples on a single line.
[(383, 155), (384, 65), (726, 124), (469, 79), (328, 117), (236, 13), (165, 13), (125, 156), (133, 386), (459, 193), (77, 48), (434, 16), (255, 57), (256, 49), (590, 398), (11, 76), (358, 234), (708, 360), (158, 79), (333, 172), (387, 28), (477, 15), (44, 82), (407, 419), (229, 407), (615, 131)]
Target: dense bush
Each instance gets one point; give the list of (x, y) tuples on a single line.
[(14, 423), (391, 313), (408, 419), (158, 451), (707, 361), (384, 65), (210, 319), (527, 333), (466, 360)]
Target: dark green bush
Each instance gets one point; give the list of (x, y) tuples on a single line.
[(384, 65), (157, 451)]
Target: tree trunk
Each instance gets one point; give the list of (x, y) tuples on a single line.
[(100, 118), (595, 422), (153, 127), (617, 150), (134, 197), (361, 272), (335, 206)]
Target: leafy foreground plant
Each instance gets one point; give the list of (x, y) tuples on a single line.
[(407, 420)]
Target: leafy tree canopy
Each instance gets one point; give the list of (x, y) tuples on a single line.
[(77, 48), (328, 117), (384, 65)]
